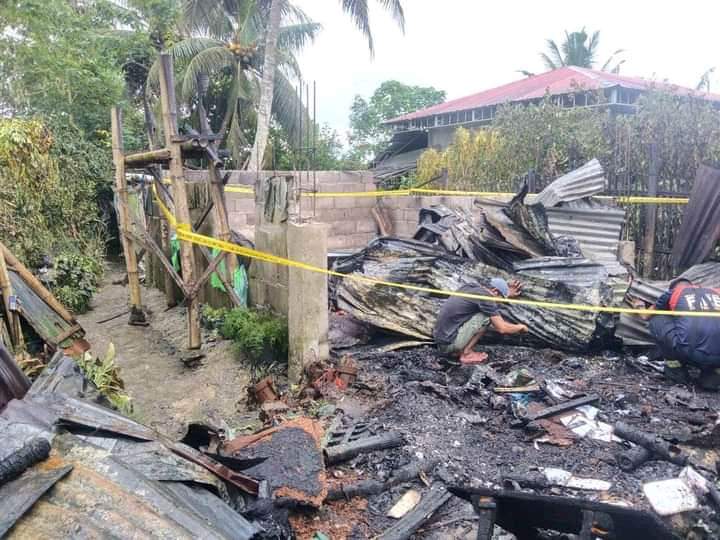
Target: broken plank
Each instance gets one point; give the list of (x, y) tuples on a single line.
[(431, 503), (344, 452)]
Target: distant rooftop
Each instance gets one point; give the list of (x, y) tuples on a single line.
[(558, 82)]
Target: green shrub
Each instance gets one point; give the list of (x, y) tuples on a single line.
[(256, 333), (75, 279)]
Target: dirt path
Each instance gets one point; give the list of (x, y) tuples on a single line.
[(166, 394)]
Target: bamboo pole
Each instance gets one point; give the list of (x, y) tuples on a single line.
[(136, 313), (37, 287), (140, 159), (11, 317), (180, 200)]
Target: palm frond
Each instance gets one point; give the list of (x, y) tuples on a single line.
[(525, 72), (288, 62), (360, 15), (206, 62), (295, 36), (208, 18), (287, 107), (396, 10), (558, 60)]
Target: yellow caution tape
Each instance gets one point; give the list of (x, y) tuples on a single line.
[(631, 199), (456, 193), (184, 232)]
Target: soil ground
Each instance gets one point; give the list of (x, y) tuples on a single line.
[(166, 394)]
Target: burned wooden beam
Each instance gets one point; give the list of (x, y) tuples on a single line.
[(631, 459), (561, 408), (364, 488), (655, 445), (413, 520), (344, 452), (32, 452)]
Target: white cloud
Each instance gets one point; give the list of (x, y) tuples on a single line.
[(465, 46)]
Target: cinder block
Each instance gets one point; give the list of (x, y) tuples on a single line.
[(366, 202), (366, 226), (359, 213), (332, 215), (398, 202), (348, 202), (244, 204), (236, 220), (323, 203), (411, 214), (343, 227)]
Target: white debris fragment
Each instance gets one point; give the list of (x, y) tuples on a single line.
[(668, 497), (406, 503), (561, 477)]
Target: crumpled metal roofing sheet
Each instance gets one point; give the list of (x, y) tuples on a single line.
[(700, 228), (113, 489), (584, 181)]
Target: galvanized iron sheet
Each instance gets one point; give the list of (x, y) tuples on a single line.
[(585, 181), (700, 228)]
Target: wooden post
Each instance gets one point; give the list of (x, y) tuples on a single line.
[(136, 314), (13, 321), (651, 214), (217, 193), (177, 178)]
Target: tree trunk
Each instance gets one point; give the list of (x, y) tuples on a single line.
[(267, 88)]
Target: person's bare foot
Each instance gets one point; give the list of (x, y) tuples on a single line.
[(473, 358)]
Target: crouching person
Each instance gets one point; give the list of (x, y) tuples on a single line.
[(462, 322), (689, 340)]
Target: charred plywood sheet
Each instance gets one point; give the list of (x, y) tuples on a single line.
[(293, 463)]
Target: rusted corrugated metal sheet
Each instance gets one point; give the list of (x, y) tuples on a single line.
[(700, 228), (585, 181)]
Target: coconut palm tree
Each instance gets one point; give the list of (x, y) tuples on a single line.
[(359, 12), (578, 49), (226, 45)]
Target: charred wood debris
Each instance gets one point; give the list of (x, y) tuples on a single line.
[(568, 432)]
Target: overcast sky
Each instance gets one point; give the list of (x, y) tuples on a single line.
[(465, 46)]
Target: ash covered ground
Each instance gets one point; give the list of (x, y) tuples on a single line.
[(446, 415)]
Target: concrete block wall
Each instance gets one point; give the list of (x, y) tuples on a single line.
[(350, 220)]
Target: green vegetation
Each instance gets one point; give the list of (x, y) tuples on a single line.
[(50, 190), (75, 280), (392, 98), (105, 374), (578, 49), (551, 140), (258, 335)]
